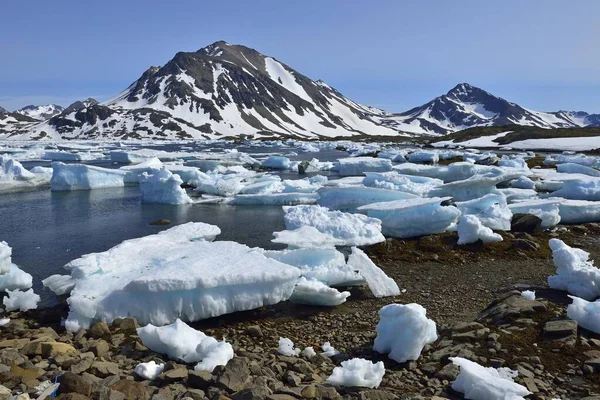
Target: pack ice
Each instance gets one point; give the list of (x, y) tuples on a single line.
[(177, 273)]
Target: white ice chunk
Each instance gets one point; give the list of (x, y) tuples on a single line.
[(149, 370), (286, 348), (59, 284), (276, 199), (329, 350), (5, 257), (306, 237), (475, 186), (579, 211), (85, 177), (547, 210), (352, 229), (175, 274), (358, 372), (528, 294), (470, 230), (492, 210), (353, 197), (309, 352), (163, 187), (572, 168), (392, 180), (14, 177), (359, 165), (22, 301), (379, 283), (414, 217), (277, 162), (4, 321), (325, 265), (586, 313), (403, 330), (579, 189), (317, 293), (15, 279), (485, 383), (181, 342), (575, 272)]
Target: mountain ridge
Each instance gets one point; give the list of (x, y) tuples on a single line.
[(233, 91)]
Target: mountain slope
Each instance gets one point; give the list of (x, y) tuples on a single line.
[(40, 113), (466, 106), (221, 90)]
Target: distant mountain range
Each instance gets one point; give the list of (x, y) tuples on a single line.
[(232, 91)]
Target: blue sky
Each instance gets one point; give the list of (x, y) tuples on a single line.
[(392, 54)]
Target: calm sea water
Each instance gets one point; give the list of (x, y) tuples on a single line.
[(48, 229)]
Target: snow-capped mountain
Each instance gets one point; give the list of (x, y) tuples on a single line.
[(3, 110), (466, 106), (80, 105), (221, 90), (40, 113)]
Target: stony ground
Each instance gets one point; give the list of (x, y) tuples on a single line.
[(469, 291)]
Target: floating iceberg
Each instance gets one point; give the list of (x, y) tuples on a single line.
[(85, 177), (175, 274), (15, 279), (414, 217), (353, 197), (358, 372), (317, 293), (379, 283), (59, 284), (575, 273), (474, 187), (485, 383), (275, 199), (586, 313), (359, 165), (14, 177), (454, 172), (572, 168), (163, 187), (277, 162), (403, 330), (181, 342), (22, 301), (470, 230), (352, 229), (424, 156)]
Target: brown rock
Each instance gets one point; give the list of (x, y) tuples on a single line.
[(72, 383), (99, 330), (131, 389), (100, 348), (52, 349)]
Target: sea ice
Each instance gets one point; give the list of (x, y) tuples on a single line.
[(492, 210), (379, 283), (392, 180), (413, 217), (181, 342), (277, 162), (59, 284), (22, 301), (306, 237), (15, 279), (175, 274), (352, 197), (286, 348), (579, 189), (316, 293), (309, 352), (163, 187), (359, 165), (572, 168), (403, 330), (325, 265), (547, 210), (84, 177), (149, 370), (470, 230), (352, 229), (586, 313), (575, 273), (485, 383), (14, 177), (5, 257), (528, 294), (358, 372), (329, 350)]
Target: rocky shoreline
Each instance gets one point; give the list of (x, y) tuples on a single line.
[(472, 292)]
